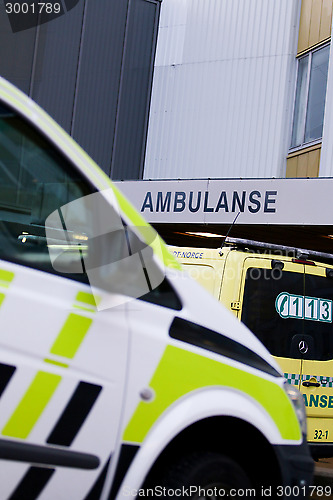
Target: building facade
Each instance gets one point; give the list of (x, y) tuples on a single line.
[(239, 90), (90, 67)]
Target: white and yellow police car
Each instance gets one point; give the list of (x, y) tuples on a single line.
[(119, 375)]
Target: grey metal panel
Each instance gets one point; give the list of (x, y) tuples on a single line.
[(91, 70), (56, 65), (98, 78), (222, 101), (16, 52), (135, 90), (326, 156)]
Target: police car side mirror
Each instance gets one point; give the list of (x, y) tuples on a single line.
[(89, 236), (121, 263)]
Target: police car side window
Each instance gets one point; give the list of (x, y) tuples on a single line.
[(35, 180)]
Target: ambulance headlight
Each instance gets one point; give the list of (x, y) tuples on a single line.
[(297, 400)]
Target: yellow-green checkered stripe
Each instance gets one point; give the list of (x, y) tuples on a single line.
[(44, 384)]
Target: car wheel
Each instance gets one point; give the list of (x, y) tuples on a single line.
[(205, 476)]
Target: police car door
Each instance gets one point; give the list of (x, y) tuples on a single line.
[(62, 363), (317, 372), (270, 297)]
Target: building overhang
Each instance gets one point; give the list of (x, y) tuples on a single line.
[(295, 212)]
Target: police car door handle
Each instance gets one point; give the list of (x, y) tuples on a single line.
[(310, 384)]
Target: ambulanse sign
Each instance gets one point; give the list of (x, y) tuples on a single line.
[(255, 201)]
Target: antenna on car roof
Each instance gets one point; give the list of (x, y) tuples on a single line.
[(226, 236)]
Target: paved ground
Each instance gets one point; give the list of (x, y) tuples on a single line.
[(324, 468), (323, 479)]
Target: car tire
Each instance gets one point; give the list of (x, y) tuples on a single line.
[(209, 471)]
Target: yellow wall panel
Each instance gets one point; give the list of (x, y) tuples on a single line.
[(291, 167), (326, 19), (304, 25), (313, 163), (302, 166), (304, 163), (315, 23)]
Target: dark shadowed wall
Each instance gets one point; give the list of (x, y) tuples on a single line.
[(91, 69)]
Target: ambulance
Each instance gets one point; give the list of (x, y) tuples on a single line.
[(120, 376), (284, 296)]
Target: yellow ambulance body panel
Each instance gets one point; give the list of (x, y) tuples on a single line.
[(286, 300)]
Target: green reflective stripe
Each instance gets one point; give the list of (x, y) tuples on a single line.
[(6, 276), (71, 336), (87, 298), (31, 405), (57, 363), (180, 372), (168, 259), (42, 388), (81, 308)]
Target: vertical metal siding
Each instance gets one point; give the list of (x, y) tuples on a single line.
[(171, 33), (221, 108), (56, 65), (326, 158), (99, 77), (91, 69), (132, 115), (16, 52)]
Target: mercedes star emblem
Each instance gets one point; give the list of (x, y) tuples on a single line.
[(303, 347)]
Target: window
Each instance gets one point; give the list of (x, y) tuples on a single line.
[(310, 97), (35, 180), (281, 335), (259, 313)]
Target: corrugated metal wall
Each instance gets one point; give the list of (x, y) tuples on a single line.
[(223, 89), (54, 78), (16, 52), (97, 90), (133, 109), (326, 160), (91, 69)]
